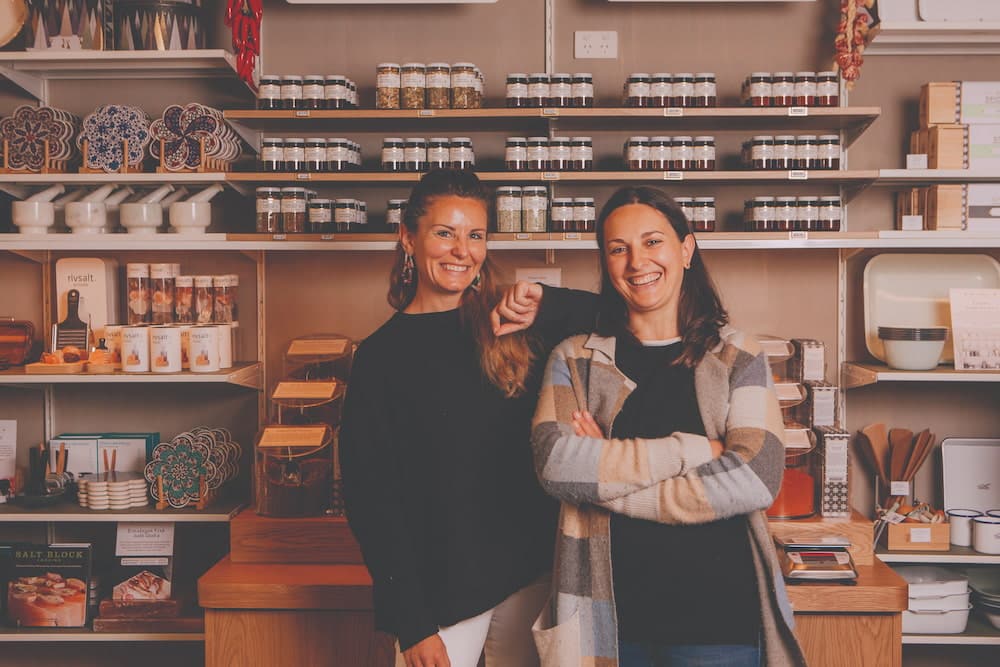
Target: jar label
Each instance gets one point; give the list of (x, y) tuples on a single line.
[(291, 92), (293, 205), (439, 80), (344, 215), (560, 90), (517, 90), (828, 151), (761, 152), (462, 154), (827, 89), (706, 152), (783, 89), (313, 91), (582, 153), (583, 89), (294, 154), (515, 154), (272, 154), (438, 154), (761, 89), (387, 80), (805, 88), (508, 203), (316, 154), (661, 89), (319, 215), (393, 155), (636, 153), (269, 205), (539, 153), (538, 90), (413, 80), (463, 80), (415, 154), (638, 89), (683, 89), (559, 152), (704, 89), (659, 153), (268, 91), (338, 153), (336, 92)]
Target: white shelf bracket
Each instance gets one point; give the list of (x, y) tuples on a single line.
[(14, 190), (252, 137), (37, 256), (31, 84)]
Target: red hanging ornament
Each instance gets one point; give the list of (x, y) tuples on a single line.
[(243, 17)]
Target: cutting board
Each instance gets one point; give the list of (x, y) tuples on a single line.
[(39, 368)]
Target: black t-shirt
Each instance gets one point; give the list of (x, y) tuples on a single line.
[(676, 584)]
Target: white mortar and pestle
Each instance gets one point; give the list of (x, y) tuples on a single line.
[(37, 213), (194, 214), (145, 216), (90, 214)]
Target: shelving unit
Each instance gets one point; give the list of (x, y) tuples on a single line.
[(957, 555), (245, 374), (221, 511), (31, 635), (863, 374)]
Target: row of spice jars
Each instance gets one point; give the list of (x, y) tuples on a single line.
[(419, 154), (663, 89), (545, 154), (670, 153), (700, 212), (804, 151), (296, 210), (309, 91), (526, 209), (559, 90), (791, 89), (313, 154), (791, 214), (428, 86), (158, 294)]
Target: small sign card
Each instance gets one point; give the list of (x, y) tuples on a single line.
[(975, 328)]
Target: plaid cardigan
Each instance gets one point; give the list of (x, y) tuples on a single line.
[(671, 480)]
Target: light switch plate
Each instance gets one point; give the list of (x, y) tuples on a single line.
[(595, 44)]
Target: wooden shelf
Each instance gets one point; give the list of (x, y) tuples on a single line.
[(18, 185), (856, 374), (32, 69), (246, 374), (977, 632), (221, 511), (919, 177), (24, 635), (956, 555)]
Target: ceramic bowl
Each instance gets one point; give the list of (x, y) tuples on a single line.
[(140, 218), (190, 217), (86, 217), (33, 217), (913, 355)]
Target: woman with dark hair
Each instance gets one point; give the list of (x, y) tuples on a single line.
[(434, 447), (662, 436)]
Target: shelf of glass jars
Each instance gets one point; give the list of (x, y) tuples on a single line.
[(32, 69), (29, 635), (862, 374), (219, 511), (243, 374), (956, 555), (852, 120)]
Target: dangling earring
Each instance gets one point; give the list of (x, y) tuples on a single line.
[(476, 282), (408, 267)]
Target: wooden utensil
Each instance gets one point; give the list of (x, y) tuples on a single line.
[(900, 448), (921, 450), (879, 439), (863, 447)]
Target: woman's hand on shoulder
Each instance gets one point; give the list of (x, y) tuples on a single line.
[(517, 308), (429, 652), (584, 424)]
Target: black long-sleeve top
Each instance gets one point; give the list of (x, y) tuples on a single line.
[(439, 483)]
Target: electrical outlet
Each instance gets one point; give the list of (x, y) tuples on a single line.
[(595, 44)]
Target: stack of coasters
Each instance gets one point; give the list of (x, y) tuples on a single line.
[(113, 491)]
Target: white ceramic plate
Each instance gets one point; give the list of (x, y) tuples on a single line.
[(911, 290)]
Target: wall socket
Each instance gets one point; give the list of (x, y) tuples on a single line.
[(595, 44)]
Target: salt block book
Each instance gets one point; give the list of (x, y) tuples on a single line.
[(47, 585)]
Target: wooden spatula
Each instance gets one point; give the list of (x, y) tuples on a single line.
[(879, 439), (900, 448), (72, 330)]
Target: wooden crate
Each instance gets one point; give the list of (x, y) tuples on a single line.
[(940, 103), (919, 537)]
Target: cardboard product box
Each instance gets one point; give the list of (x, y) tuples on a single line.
[(41, 571), (81, 453), (86, 450), (835, 500), (982, 146), (821, 404), (967, 102), (982, 212), (808, 363), (96, 279), (919, 537)]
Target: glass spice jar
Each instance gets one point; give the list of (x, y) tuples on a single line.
[(338, 154), (336, 92), (686, 205), (637, 153), (807, 151), (343, 215), (184, 299), (463, 86), (320, 216), (808, 213), (315, 154), (461, 153), (761, 151), (412, 84), (538, 89), (584, 214), (783, 89), (785, 213), (560, 154), (534, 205), (269, 93), (705, 90), (313, 92), (204, 300), (683, 90), (515, 154), (272, 154), (827, 89), (161, 285), (394, 214), (223, 299), (355, 155), (352, 95), (785, 153), (637, 90), (703, 153), (438, 153), (268, 210), (415, 154), (829, 213), (661, 89), (293, 210), (291, 91), (581, 153), (517, 91), (660, 149), (760, 90), (387, 82), (562, 214), (480, 89), (560, 90), (796, 497), (763, 215), (805, 89), (703, 214), (583, 90), (538, 153), (828, 151), (682, 154), (361, 217), (393, 154), (509, 209), (294, 154), (137, 284), (438, 84)]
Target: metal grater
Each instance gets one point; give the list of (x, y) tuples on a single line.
[(72, 330)]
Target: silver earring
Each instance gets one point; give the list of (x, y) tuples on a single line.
[(408, 269), (476, 282)]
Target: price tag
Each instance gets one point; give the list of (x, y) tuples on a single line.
[(326, 237), (919, 535), (894, 517), (798, 175), (571, 236), (521, 236), (550, 112), (301, 114), (425, 113), (303, 177), (798, 111), (673, 175), (899, 488), (550, 175), (279, 237), (673, 112), (798, 236)]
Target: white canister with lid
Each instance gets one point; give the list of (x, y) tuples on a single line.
[(165, 349), (225, 345), (204, 352), (986, 534), (113, 341), (185, 330), (960, 526), (135, 349)]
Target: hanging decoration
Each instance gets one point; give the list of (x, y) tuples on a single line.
[(854, 32), (243, 17)]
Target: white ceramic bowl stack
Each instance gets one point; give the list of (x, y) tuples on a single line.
[(913, 348), (938, 600)]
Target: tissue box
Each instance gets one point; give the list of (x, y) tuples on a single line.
[(919, 537)]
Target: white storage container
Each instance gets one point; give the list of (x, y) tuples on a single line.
[(935, 622), (938, 600)]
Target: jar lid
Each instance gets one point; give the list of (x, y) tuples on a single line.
[(291, 77), (683, 200), (397, 140), (184, 281), (316, 140), (203, 281), (397, 203), (517, 140), (764, 200), (830, 199), (508, 189), (706, 137), (810, 199), (159, 268), (137, 270), (294, 139), (272, 141), (637, 139), (829, 137), (806, 137), (705, 75), (221, 281), (336, 77), (462, 140), (828, 74), (469, 65), (269, 77), (439, 140), (559, 140), (318, 201), (538, 75), (387, 66), (312, 76), (763, 137), (785, 200), (534, 190), (583, 75), (760, 75), (438, 66), (562, 201), (785, 137), (342, 203), (517, 75), (704, 200), (803, 75), (416, 140), (538, 139), (661, 139), (783, 74), (294, 191), (587, 201), (682, 139), (414, 66), (265, 191), (638, 76), (561, 76), (583, 139), (684, 75)]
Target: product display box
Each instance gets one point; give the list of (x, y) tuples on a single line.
[(919, 537), (97, 281), (973, 207), (47, 585), (86, 451), (967, 102), (834, 471), (808, 363), (959, 146)]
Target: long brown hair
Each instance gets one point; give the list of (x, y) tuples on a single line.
[(700, 314), (505, 360)]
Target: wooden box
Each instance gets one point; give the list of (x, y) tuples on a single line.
[(940, 103), (919, 537), (944, 207), (946, 146)]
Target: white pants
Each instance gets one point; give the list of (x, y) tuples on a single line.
[(502, 633)]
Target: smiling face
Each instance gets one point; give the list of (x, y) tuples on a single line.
[(448, 248), (645, 261)]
